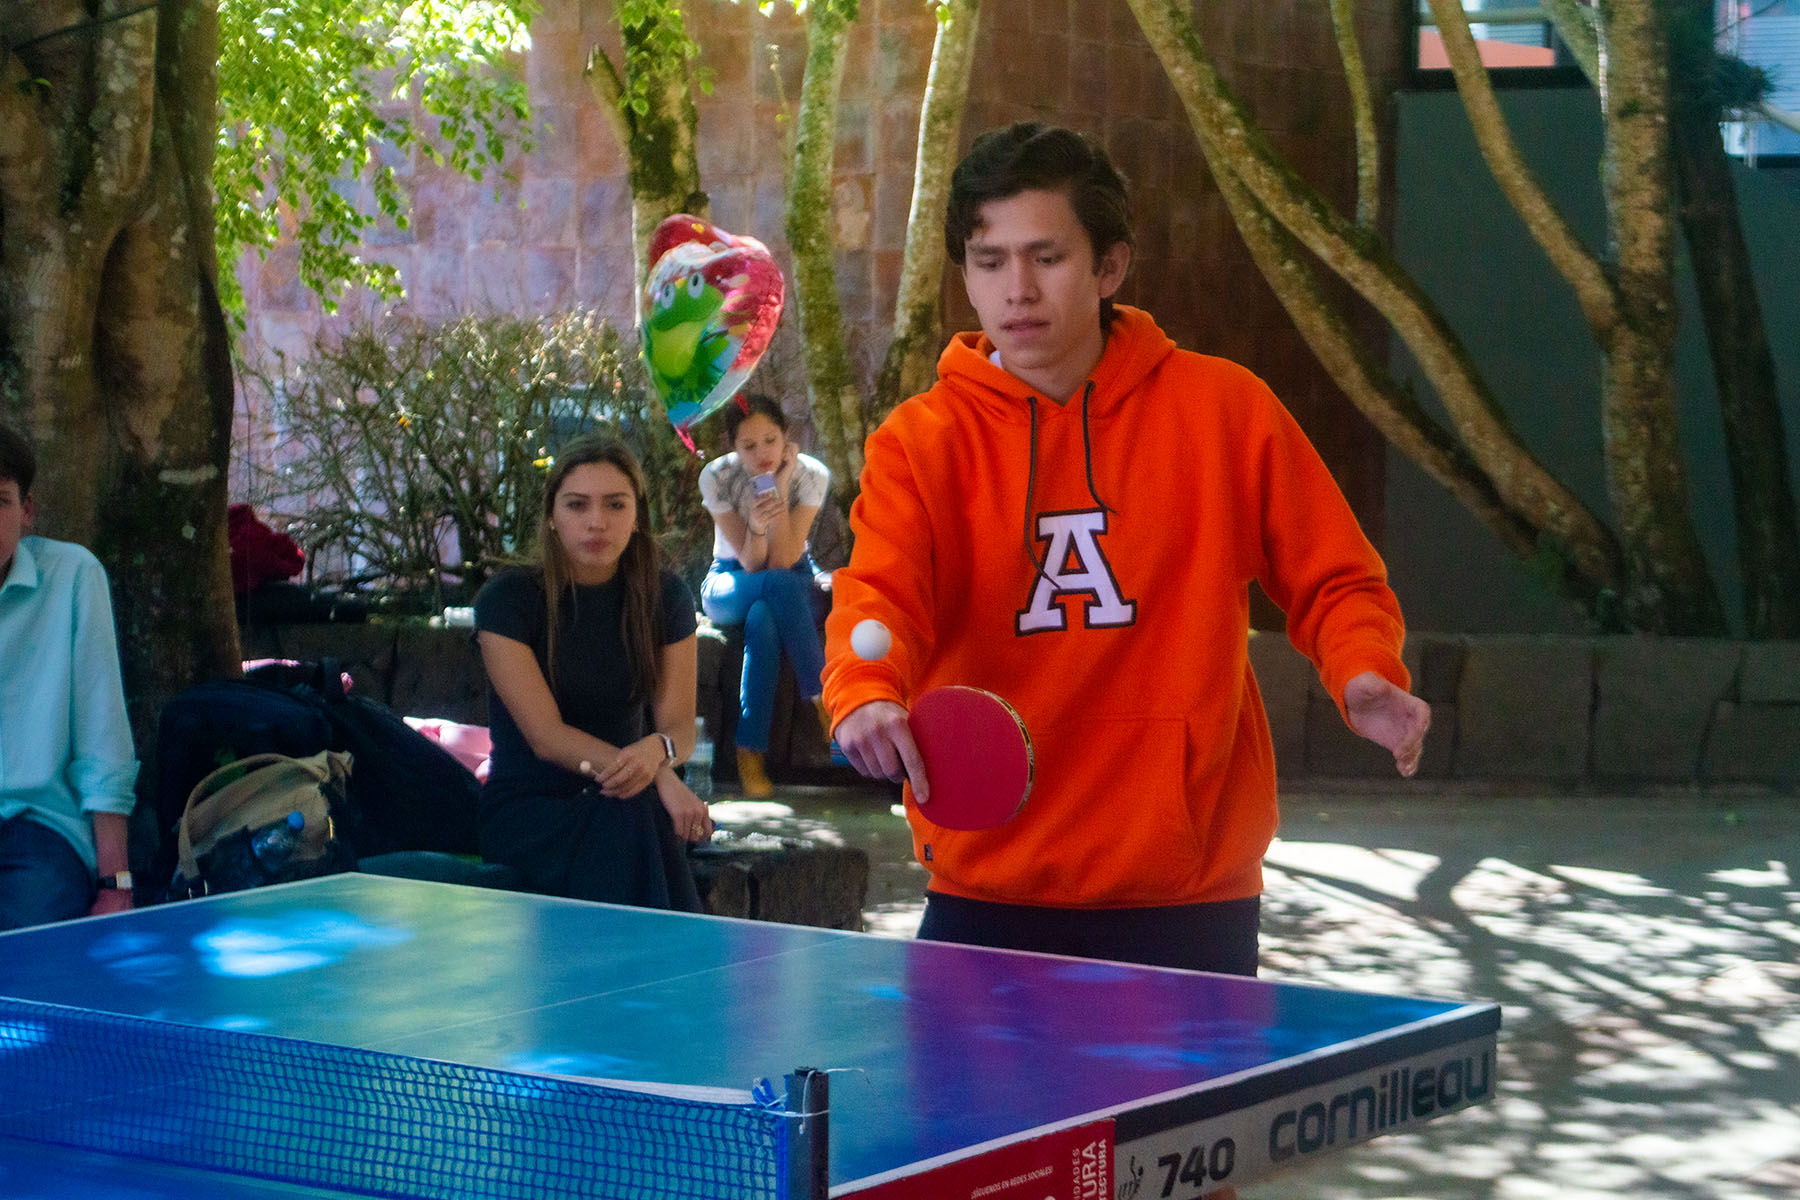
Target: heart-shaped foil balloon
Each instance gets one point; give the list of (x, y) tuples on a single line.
[(710, 306)]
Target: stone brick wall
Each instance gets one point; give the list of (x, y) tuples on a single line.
[(559, 234), (1561, 711)]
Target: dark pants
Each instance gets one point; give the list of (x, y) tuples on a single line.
[(41, 877), (590, 847), (1218, 936)]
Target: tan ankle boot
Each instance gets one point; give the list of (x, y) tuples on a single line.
[(752, 779)]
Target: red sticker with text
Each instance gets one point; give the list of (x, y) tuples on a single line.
[(1071, 1164)]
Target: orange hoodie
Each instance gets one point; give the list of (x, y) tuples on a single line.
[(1152, 504)]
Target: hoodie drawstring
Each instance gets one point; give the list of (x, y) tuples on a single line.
[(1087, 449), (1087, 454), (1031, 556)]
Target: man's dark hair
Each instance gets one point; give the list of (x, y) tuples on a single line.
[(17, 462), (1030, 155)]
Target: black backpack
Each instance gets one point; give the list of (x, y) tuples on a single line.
[(408, 792), (213, 724)]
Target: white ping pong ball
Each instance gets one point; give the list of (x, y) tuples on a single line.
[(871, 640)]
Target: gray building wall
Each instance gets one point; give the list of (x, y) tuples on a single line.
[(1455, 231)]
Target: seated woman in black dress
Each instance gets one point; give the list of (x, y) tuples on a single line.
[(591, 661)]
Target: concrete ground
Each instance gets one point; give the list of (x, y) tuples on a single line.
[(1645, 951)]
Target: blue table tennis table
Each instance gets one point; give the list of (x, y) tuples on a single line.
[(365, 1035)]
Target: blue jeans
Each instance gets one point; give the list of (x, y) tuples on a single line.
[(780, 612), (42, 879)]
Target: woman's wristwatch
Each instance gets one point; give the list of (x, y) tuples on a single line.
[(668, 749)]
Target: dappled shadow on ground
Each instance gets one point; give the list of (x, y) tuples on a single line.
[(1643, 950)]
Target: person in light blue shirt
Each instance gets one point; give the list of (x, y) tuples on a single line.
[(67, 765)]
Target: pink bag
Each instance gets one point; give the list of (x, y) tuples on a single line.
[(469, 745)]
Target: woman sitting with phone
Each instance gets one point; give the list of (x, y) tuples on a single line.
[(591, 658), (763, 496)]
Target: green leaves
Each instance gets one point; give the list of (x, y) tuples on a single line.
[(657, 47), (845, 9), (324, 104)]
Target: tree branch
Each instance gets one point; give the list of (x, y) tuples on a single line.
[(835, 400), (609, 92), (1232, 144), (1593, 291), (1362, 111), (1574, 24), (913, 346), (1669, 589), (24, 140), (1388, 406)]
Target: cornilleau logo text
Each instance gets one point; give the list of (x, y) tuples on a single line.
[(1240, 1146), (1397, 1097)]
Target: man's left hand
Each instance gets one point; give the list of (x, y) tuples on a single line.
[(1389, 716)]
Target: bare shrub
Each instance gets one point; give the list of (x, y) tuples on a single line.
[(411, 455)]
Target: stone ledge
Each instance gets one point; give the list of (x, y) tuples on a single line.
[(795, 882), (1523, 710), (414, 669), (1654, 703), (1578, 712)]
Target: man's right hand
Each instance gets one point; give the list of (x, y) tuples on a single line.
[(879, 744)]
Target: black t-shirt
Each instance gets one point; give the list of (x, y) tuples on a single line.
[(593, 678)]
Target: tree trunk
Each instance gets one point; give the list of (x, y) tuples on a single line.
[(1743, 366), (1585, 274), (1668, 589), (909, 365), (115, 347), (831, 388), (662, 165)]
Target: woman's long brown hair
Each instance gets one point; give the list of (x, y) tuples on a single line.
[(640, 567)]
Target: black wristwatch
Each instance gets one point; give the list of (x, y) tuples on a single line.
[(119, 881)]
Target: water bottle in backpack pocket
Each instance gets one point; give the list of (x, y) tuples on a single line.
[(267, 819), (275, 843)]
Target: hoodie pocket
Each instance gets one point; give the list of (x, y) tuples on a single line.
[(1107, 824)]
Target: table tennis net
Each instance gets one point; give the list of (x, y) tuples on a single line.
[(365, 1121)]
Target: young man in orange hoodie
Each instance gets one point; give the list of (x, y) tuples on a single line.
[(1071, 518)]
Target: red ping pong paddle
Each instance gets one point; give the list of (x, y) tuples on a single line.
[(977, 755)]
